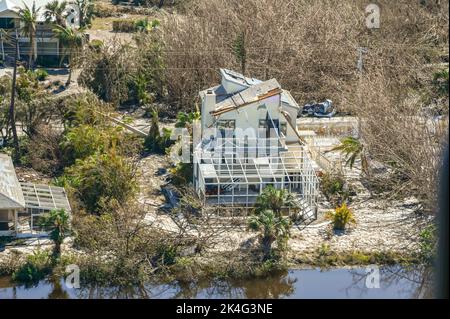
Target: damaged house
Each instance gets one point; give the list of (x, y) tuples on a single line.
[(22, 204), (250, 141)]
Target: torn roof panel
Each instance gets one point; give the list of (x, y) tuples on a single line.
[(238, 78), (242, 83), (248, 95)]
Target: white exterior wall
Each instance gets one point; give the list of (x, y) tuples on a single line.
[(291, 136), (247, 117)]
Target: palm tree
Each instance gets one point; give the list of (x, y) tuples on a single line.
[(56, 11), (71, 40), (275, 200), (86, 12), (28, 18), (273, 228), (352, 148), (57, 223)]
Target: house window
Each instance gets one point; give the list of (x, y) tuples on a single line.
[(226, 126), (6, 23), (283, 128), (262, 123)]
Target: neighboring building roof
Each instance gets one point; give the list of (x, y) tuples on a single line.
[(13, 5), (16, 195), (45, 197), (244, 83), (11, 196)]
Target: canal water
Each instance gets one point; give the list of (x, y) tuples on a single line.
[(386, 282)]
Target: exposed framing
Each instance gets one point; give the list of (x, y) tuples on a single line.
[(234, 175)]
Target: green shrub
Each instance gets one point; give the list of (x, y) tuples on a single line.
[(57, 224), (155, 141), (273, 228), (84, 109), (341, 216), (102, 177), (96, 44), (440, 82), (85, 140), (144, 25), (36, 267), (334, 187), (41, 74), (323, 250), (166, 254), (181, 174), (428, 243)]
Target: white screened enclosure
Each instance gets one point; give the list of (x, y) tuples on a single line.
[(22, 204), (227, 172)]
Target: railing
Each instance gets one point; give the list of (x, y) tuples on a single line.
[(289, 168), (40, 34)]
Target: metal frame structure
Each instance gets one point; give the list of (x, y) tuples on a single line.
[(233, 173), (40, 199), (233, 165)]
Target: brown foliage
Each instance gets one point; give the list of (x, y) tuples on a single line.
[(310, 47)]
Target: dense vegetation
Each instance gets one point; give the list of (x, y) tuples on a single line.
[(310, 47)]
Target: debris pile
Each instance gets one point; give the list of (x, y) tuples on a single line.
[(324, 109)]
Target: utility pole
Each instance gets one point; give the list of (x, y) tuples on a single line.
[(12, 116), (360, 66)]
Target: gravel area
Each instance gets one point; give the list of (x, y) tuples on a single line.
[(380, 226)]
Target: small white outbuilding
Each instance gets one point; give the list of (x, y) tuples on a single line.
[(22, 204)]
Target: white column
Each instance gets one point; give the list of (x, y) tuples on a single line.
[(16, 221), (1, 45)]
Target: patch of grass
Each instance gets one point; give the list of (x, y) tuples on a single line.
[(106, 23), (428, 243), (11, 263), (103, 23), (325, 257), (231, 265), (335, 189)]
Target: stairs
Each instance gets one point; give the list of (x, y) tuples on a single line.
[(307, 214), (229, 187)]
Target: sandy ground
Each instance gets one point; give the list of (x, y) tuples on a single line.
[(110, 36), (6, 71), (380, 225)]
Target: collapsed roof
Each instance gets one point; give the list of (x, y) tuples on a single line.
[(236, 89)]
